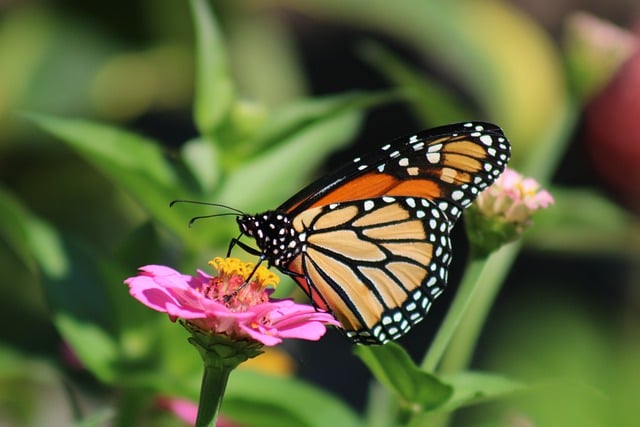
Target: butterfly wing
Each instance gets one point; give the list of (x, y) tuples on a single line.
[(370, 241), (377, 264), (449, 165)]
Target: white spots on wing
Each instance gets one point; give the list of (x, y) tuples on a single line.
[(433, 157), (404, 162), (368, 205), (486, 139), (413, 171), (433, 153)]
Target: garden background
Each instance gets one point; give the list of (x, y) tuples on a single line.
[(110, 110)]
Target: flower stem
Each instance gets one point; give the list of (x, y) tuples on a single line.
[(221, 355), (463, 342), (214, 383), (454, 315)]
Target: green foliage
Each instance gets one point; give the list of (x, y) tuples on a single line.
[(251, 155), (261, 400), (393, 367)]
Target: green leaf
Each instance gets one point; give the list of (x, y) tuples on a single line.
[(393, 367), (582, 221), (72, 286), (201, 158), (474, 387), (82, 311), (110, 148), (215, 92), (93, 345), (279, 172), (135, 163), (296, 116), (33, 240), (267, 401), (511, 67), (432, 102), (308, 130)]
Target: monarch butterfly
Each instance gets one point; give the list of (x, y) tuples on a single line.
[(369, 242)]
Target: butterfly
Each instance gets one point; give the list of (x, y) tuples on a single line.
[(369, 242)]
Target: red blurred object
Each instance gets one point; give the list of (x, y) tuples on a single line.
[(612, 124)]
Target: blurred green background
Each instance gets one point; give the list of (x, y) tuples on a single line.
[(570, 305)]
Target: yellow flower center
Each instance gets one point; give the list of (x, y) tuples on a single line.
[(233, 266)]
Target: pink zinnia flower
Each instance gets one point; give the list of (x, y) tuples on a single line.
[(514, 198), (226, 305), (503, 211)]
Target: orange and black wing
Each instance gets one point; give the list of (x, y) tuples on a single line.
[(449, 165), (376, 264), (370, 241)]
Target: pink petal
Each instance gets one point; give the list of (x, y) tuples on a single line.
[(166, 290), (184, 409), (261, 335)]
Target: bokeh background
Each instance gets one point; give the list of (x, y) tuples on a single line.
[(560, 73)]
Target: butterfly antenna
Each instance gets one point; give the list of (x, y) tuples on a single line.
[(215, 205), (197, 218)]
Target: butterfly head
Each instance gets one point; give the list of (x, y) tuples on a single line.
[(274, 234)]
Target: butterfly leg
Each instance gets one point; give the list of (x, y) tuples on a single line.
[(248, 279), (244, 246)]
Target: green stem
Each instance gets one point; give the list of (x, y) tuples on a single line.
[(221, 354), (454, 315), (463, 342), (214, 383)]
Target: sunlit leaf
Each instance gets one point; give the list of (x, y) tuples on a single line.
[(296, 116), (278, 173), (293, 143), (201, 158), (431, 101), (214, 92), (136, 164), (499, 55)]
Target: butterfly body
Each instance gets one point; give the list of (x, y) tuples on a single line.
[(370, 241)]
